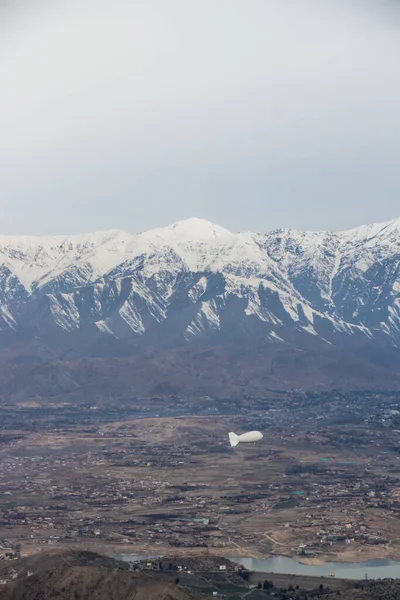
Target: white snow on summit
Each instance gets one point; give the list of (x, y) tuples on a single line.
[(196, 241), (40, 259), (346, 280)]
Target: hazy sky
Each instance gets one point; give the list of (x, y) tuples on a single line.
[(255, 114)]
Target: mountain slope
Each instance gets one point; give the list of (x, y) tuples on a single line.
[(110, 294), (92, 583)]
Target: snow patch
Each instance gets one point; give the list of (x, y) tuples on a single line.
[(274, 335), (64, 311), (8, 318), (334, 272), (103, 327), (206, 317), (309, 313), (309, 329), (198, 290), (132, 317)]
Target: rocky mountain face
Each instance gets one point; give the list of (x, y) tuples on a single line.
[(110, 294)]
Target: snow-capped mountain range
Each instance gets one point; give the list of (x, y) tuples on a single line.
[(194, 279)]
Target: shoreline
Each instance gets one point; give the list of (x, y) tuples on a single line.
[(354, 556)]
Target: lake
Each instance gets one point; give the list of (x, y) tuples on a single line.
[(373, 569)]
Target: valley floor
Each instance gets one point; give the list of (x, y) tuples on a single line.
[(322, 485)]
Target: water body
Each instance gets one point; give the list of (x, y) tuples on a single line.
[(135, 557), (372, 569)]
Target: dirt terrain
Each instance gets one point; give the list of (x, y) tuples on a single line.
[(92, 583)]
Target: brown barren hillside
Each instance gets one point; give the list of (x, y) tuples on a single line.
[(226, 370), (92, 583), (49, 560)]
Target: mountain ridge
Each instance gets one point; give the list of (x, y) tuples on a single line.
[(111, 293)]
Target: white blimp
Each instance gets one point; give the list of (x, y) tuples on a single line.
[(248, 437)]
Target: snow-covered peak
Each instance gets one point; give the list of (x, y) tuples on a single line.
[(317, 281), (196, 241), (200, 245), (368, 235), (40, 258), (191, 230), (30, 243), (365, 233)]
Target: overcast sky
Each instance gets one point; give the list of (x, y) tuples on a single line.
[(254, 114)]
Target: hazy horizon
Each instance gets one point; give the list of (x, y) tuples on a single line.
[(167, 224), (255, 116)]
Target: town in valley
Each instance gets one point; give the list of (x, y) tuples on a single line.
[(323, 484)]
